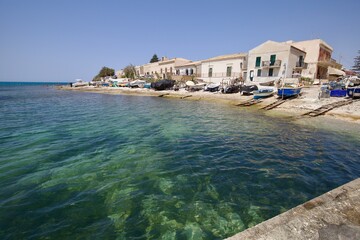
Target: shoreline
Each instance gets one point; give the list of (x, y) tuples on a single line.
[(308, 101)]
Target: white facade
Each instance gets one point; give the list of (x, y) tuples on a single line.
[(223, 68), (273, 60)]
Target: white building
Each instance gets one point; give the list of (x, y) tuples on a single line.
[(223, 67), (273, 60)]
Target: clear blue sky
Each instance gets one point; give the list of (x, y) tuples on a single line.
[(61, 40)]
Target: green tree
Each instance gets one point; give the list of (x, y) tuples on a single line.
[(356, 66), (154, 59), (104, 72), (130, 71)]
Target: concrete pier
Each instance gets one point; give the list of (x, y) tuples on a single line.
[(333, 215)]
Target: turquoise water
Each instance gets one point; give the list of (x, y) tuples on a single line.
[(92, 166)]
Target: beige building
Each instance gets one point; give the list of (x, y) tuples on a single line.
[(165, 68), (274, 60), (225, 67), (318, 58), (188, 69), (119, 73)]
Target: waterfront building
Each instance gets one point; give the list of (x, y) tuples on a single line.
[(187, 71), (163, 69), (318, 58), (274, 60), (223, 68)]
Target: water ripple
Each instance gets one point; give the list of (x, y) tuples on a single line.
[(101, 166)]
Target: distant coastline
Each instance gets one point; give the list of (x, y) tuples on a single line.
[(9, 83)]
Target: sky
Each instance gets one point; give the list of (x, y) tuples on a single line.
[(63, 40)]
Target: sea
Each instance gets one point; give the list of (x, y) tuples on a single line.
[(77, 165)]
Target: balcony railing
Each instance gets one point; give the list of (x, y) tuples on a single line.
[(301, 65), (270, 64), (219, 75)]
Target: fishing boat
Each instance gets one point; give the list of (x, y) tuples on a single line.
[(263, 93), (288, 91)]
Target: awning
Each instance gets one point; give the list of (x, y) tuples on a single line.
[(335, 72)]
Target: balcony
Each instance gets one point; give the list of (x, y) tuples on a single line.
[(301, 65), (269, 64)]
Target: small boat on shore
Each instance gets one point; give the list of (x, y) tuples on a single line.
[(353, 92), (137, 84), (163, 84), (231, 89), (288, 91), (80, 83), (248, 89), (212, 87), (268, 83), (263, 93), (353, 87)]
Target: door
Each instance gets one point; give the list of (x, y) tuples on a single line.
[(272, 60)]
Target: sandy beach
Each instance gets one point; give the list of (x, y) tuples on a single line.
[(295, 107)]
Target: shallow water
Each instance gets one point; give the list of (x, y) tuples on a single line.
[(84, 165)]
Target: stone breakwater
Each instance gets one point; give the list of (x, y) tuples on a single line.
[(333, 215)]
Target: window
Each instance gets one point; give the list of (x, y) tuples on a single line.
[(301, 61), (258, 61), (251, 75), (271, 72), (228, 71), (272, 60), (258, 73), (191, 71), (210, 72)]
